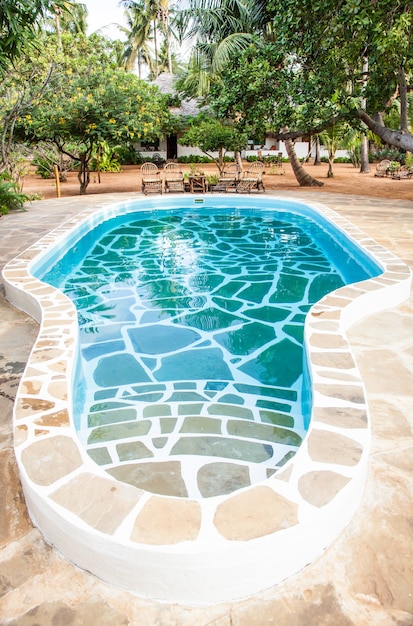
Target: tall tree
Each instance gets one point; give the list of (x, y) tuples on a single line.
[(214, 138), (156, 12), (329, 43), (220, 29), (73, 19), (20, 88), (90, 101), (253, 92), (138, 34)]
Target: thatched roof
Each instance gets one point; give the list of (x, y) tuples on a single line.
[(166, 85)]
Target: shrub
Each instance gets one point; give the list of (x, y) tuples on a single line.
[(106, 159), (195, 158), (44, 167), (391, 154), (46, 156), (10, 196), (128, 155), (324, 159)]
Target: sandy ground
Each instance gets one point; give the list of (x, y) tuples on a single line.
[(347, 179)]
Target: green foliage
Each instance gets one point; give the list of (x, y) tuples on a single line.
[(332, 41), (322, 62), (212, 180), (106, 158), (18, 22), (43, 165), (127, 154), (394, 166), (211, 135), (45, 157), (194, 158), (10, 196), (21, 86), (324, 159), (390, 154), (19, 163), (89, 101)]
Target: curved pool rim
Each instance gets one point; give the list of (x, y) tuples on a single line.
[(220, 548)]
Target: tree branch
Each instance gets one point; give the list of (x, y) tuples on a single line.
[(398, 138), (295, 134)]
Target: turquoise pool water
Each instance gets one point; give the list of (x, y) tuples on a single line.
[(192, 378)]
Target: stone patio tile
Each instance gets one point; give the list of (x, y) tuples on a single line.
[(101, 502), (48, 460), (165, 521), (255, 513)]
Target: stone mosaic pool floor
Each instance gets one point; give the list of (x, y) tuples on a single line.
[(191, 330)]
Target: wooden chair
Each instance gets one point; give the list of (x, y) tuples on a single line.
[(151, 180), (252, 178), (174, 178), (382, 168), (228, 180), (402, 172), (158, 160)]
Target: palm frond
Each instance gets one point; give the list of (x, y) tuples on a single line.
[(226, 49)]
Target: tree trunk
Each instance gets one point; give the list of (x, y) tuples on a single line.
[(238, 161), (220, 162), (330, 173), (364, 155), (83, 175), (317, 160), (155, 45), (404, 125), (303, 178), (364, 147)]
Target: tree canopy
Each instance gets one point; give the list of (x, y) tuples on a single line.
[(214, 136), (306, 65), (89, 101), (354, 54)]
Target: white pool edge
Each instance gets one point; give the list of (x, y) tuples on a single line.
[(217, 549)]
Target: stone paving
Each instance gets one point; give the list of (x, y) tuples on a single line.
[(365, 577)]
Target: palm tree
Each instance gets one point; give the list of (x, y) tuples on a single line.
[(69, 17), (150, 18), (335, 137), (138, 33), (74, 18), (220, 29)]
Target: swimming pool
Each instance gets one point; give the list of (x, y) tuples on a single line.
[(188, 549), (192, 369)]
